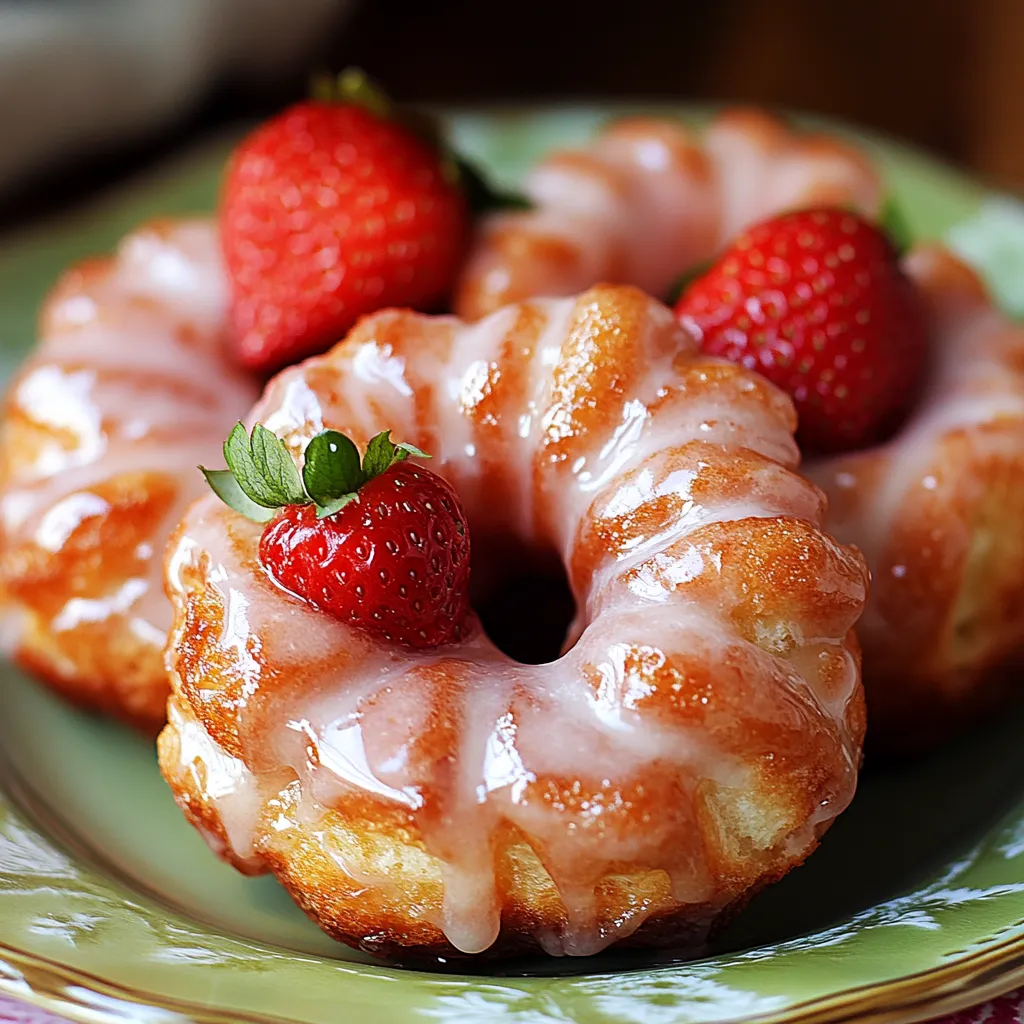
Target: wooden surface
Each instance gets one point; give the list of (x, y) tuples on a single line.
[(945, 74)]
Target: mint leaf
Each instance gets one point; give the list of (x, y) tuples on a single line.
[(250, 471), (226, 487), (277, 467), (323, 511), (331, 467), (262, 476), (238, 456), (382, 453)]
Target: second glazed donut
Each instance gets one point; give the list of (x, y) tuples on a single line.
[(937, 509)]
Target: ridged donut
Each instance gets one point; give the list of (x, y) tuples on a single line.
[(647, 200), (701, 730), (938, 511), (944, 629), (101, 433)]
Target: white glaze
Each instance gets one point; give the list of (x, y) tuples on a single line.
[(763, 168), (644, 203), (128, 377)]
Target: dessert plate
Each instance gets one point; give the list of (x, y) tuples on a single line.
[(112, 909)]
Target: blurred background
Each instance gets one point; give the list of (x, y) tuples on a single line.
[(95, 91)]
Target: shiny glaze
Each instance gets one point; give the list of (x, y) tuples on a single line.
[(647, 200), (937, 512), (102, 431), (701, 730)]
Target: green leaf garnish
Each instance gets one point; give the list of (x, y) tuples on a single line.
[(685, 279), (331, 469), (225, 486), (275, 463), (323, 511), (411, 449), (893, 222), (382, 453), (262, 477), (482, 195), (238, 454)]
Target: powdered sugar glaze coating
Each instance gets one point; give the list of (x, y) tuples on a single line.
[(647, 200), (701, 730), (101, 433)]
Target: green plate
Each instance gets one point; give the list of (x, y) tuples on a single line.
[(112, 909)]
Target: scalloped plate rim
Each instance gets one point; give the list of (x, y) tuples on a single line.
[(945, 993)]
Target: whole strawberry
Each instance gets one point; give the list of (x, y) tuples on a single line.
[(383, 546), (331, 210), (815, 301)]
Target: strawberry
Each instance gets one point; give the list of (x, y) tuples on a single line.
[(383, 546), (331, 210), (815, 300)]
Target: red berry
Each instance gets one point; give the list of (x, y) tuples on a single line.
[(816, 301), (329, 212), (394, 562)]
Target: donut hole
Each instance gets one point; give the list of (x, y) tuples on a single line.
[(525, 605)]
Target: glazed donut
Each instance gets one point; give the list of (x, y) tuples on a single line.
[(945, 621), (937, 512), (101, 433), (700, 731), (647, 200)]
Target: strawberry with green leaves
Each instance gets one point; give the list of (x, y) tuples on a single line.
[(815, 300), (341, 205), (379, 543)]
